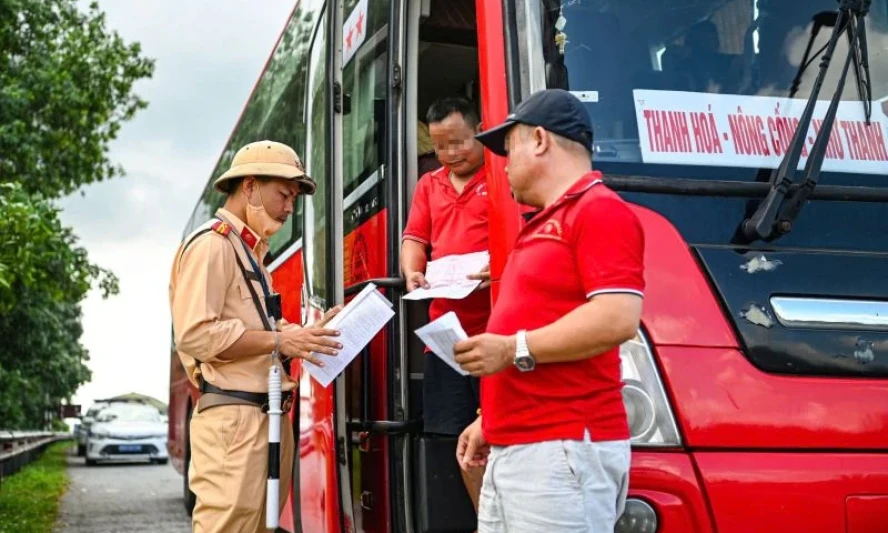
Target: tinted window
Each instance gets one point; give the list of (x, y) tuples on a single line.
[(275, 111), (364, 85), (702, 88), (316, 166)]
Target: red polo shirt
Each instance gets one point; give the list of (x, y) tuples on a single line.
[(587, 243), (452, 223)]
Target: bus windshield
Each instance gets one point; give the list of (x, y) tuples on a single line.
[(708, 88)]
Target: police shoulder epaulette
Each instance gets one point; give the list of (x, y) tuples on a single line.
[(222, 228)]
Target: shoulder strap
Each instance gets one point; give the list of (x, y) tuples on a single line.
[(253, 294), (255, 297), (223, 228)]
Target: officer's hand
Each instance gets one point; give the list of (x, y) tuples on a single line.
[(484, 276), (328, 316), (416, 280), (471, 449), (301, 342)]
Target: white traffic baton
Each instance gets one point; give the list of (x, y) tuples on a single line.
[(272, 496)]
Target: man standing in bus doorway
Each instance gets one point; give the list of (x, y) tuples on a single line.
[(449, 217), (553, 430), (228, 330)]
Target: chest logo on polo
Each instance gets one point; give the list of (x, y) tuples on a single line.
[(481, 189), (551, 230)]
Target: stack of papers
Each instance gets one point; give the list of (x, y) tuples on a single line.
[(358, 323), (441, 335), (447, 277)]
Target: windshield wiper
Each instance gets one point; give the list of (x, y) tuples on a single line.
[(770, 220)]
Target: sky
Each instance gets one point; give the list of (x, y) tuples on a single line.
[(209, 54)]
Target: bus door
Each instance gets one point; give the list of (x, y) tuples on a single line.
[(443, 48), (365, 127)]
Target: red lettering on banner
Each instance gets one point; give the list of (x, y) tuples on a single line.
[(834, 149), (681, 136), (864, 141), (668, 141), (655, 133), (877, 141), (775, 136), (785, 128), (749, 134), (851, 138), (706, 135), (668, 131), (871, 141), (760, 136)]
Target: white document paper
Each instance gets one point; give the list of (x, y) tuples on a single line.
[(358, 323), (447, 276), (441, 335)]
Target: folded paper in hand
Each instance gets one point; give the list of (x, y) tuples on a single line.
[(448, 276), (441, 335), (358, 323)]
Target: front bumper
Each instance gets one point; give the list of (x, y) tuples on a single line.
[(111, 449)]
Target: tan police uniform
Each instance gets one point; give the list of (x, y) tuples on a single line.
[(212, 306)]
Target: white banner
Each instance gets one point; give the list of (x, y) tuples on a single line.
[(682, 128)]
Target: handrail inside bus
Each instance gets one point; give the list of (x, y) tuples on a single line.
[(385, 283)]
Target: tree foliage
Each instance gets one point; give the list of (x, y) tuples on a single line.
[(66, 87)]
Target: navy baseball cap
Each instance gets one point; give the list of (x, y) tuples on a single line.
[(555, 110)]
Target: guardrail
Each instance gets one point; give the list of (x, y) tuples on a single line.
[(18, 448)]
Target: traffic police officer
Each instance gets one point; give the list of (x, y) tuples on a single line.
[(228, 329)]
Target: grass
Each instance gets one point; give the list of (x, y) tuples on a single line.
[(29, 500)]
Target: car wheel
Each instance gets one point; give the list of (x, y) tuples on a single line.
[(189, 497), (90, 462)]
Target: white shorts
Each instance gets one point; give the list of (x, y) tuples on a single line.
[(561, 486)]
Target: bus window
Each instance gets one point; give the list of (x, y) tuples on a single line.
[(363, 123), (737, 54), (316, 166), (275, 111)]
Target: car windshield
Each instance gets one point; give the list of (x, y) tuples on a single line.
[(129, 414), (701, 88)]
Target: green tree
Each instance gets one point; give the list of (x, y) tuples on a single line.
[(66, 87)]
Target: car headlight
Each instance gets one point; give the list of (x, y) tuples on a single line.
[(99, 434), (651, 422)]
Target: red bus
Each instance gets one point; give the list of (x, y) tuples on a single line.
[(757, 389)]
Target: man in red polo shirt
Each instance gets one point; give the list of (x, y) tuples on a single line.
[(449, 217), (553, 430)]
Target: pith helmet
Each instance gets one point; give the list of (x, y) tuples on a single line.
[(266, 158)]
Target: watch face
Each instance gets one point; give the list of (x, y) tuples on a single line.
[(524, 363)]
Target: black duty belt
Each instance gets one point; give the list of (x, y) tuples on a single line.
[(257, 398)]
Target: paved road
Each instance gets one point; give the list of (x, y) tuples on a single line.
[(122, 498)]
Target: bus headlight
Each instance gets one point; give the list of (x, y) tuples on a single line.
[(651, 422)]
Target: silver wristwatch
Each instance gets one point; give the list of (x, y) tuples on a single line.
[(524, 362)]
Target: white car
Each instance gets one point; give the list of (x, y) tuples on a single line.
[(127, 432), (82, 430)]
